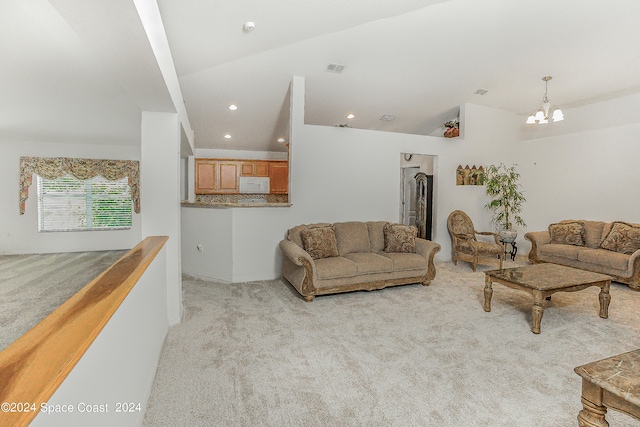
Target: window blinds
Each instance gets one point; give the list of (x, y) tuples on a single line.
[(70, 204)]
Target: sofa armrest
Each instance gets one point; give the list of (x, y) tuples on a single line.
[(428, 250), (299, 269), (634, 266), (295, 253), (537, 239)]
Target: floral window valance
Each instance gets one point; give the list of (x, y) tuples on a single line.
[(55, 167)]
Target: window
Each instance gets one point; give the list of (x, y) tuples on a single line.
[(70, 204)]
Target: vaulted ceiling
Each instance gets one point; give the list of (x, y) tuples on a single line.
[(82, 71)]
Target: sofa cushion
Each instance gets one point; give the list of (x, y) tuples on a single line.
[(483, 248), (352, 237), (320, 242), (400, 238), (367, 262), (294, 235), (404, 261), (335, 267), (562, 251), (623, 238), (593, 233), (567, 233), (605, 258), (376, 235)]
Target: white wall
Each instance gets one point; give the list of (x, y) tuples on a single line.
[(160, 196), (240, 154), (589, 175), (19, 233), (121, 363), (211, 228)]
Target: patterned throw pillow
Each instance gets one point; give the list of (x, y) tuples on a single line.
[(623, 238), (400, 238), (320, 242), (567, 233)]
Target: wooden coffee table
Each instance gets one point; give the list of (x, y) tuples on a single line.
[(544, 280)]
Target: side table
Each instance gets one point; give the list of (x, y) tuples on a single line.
[(513, 251), (610, 383)]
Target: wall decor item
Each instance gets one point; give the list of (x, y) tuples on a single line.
[(452, 129), (470, 175)]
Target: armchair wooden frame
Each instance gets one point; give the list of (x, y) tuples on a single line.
[(466, 247)]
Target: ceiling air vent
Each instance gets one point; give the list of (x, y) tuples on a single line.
[(334, 68), (387, 118)]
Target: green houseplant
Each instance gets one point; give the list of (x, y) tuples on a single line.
[(501, 185)]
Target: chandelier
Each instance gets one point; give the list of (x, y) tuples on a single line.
[(546, 111)]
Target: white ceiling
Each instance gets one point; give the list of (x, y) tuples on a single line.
[(82, 71)]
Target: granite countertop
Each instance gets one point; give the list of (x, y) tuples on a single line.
[(215, 205)]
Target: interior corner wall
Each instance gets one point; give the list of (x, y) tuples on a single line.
[(19, 233), (160, 196)]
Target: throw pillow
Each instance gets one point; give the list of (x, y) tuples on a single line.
[(567, 233), (623, 238), (320, 242), (399, 238)]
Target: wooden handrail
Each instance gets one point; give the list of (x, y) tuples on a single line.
[(34, 366)]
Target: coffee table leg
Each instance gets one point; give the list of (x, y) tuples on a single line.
[(592, 415), (536, 312), (488, 293), (605, 299)]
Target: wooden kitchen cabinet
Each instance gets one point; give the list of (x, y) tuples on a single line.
[(222, 176), (228, 177), (254, 168), (205, 176), (216, 176), (279, 177)]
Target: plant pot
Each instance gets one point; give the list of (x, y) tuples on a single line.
[(451, 132), (508, 236)]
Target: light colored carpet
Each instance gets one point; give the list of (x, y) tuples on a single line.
[(255, 354), (32, 286)]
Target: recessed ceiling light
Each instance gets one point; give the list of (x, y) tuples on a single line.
[(227, 136), (350, 116), (280, 140), (233, 107)]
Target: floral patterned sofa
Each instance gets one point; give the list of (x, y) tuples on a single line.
[(611, 248), (324, 258)]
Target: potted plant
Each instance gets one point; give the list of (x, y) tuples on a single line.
[(452, 129), (501, 184)]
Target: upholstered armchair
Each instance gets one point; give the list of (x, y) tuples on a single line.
[(465, 245)]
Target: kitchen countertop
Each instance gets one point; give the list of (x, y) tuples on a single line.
[(234, 205)]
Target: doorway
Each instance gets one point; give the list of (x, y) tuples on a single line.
[(417, 193)]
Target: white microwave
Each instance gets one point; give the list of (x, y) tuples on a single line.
[(254, 185)]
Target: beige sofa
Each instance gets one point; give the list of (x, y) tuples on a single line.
[(352, 256), (611, 248)]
